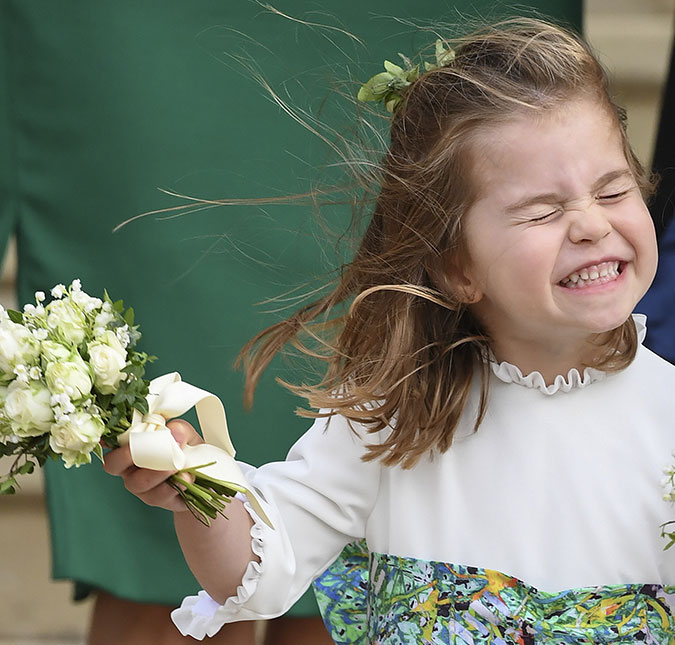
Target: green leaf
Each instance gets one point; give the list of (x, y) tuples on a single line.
[(392, 68), (392, 103), (129, 317), (119, 396), (413, 74), (366, 93), (26, 468), (380, 82), (98, 451), (141, 404), (118, 306), (15, 316), (443, 56), (7, 449), (7, 487)]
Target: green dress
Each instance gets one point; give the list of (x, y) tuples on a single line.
[(103, 104)]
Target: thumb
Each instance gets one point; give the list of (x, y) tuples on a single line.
[(184, 433)]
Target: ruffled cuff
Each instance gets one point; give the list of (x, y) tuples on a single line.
[(200, 615)]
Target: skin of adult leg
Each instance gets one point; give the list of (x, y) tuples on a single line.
[(291, 630), (115, 620)]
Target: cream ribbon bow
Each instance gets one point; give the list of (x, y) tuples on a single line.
[(152, 445)]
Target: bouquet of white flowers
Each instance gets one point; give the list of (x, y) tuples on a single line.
[(70, 381)]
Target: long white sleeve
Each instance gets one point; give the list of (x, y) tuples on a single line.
[(319, 500)]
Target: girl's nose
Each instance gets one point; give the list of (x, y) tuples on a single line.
[(589, 224)]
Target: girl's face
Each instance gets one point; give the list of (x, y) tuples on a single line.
[(560, 243)]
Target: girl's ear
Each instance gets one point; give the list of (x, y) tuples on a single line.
[(454, 277)]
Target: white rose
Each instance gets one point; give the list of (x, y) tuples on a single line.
[(107, 358), (103, 319), (54, 352), (64, 317), (28, 409), (75, 436), (18, 346), (71, 377)]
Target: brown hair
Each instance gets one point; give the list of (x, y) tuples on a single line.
[(405, 353)]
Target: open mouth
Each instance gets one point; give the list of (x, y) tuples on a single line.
[(594, 274)]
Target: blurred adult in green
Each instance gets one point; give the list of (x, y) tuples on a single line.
[(104, 103)]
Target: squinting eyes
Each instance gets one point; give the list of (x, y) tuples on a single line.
[(612, 196), (544, 217), (605, 199)]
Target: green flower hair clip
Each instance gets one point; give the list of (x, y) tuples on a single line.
[(389, 87)]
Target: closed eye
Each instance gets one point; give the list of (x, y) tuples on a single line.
[(613, 196), (544, 217)]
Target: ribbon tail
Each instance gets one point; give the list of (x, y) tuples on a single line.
[(225, 469)]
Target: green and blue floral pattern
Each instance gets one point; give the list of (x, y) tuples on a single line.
[(403, 600)]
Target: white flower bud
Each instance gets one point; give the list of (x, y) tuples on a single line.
[(103, 319), (18, 346), (67, 320), (21, 373), (40, 333), (54, 352), (28, 408), (123, 335), (58, 291), (91, 305), (107, 358), (71, 377), (74, 437)]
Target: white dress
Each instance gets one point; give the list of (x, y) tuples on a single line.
[(560, 487)]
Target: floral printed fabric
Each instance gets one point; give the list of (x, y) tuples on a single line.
[(342, 593), (403, 600)]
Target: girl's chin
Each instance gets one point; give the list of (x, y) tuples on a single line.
[(606, 325)]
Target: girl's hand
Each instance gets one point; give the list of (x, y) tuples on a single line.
[(150, 486)]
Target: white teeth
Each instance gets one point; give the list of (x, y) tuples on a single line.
[(593, 274)]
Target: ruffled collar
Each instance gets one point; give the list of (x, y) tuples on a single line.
[(509, 373)]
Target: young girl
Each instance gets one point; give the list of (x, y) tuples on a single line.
[(490, 424)]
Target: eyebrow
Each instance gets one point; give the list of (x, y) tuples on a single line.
[(547, 198)]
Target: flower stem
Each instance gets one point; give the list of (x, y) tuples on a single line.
[(205, 497)]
